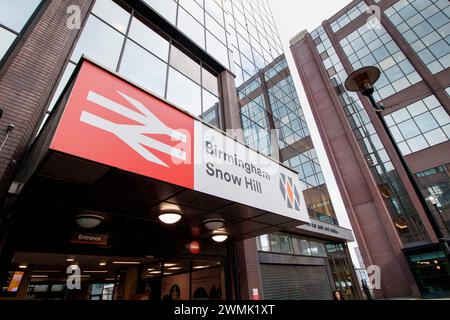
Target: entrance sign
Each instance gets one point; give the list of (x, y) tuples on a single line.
[(110, 121)]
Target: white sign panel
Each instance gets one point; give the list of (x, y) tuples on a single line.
[(230, 170)]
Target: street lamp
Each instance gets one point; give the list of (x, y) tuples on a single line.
[(363, 80), (434, 202)]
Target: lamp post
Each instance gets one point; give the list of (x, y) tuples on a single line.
[(362, 80), (434, 202)]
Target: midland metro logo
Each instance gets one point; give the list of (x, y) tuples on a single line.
[(290, 192)]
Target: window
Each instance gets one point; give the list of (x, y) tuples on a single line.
[(99, 42), (184, 92), (166, 8), (420, 125), (149, 39), (191, 27), (13, 17), (348, 17), (183, 63), (143, 59), (280, 243), (112, 14), (142, 67), (425, 26)]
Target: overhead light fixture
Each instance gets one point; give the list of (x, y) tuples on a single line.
[(70, 259), (126, 262), (89, 219), (23, 266), (219, 236), (167, 273), (155, 272), (150, 269), (214, 223), (174, 268), (170, 264), (102, 264), (169, 217), (201, 267), (401, 224)]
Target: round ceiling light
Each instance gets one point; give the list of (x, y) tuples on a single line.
[(169, 217), (214, 223), (219, 236), (89, 220)]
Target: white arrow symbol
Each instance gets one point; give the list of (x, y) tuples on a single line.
[(135, 135)]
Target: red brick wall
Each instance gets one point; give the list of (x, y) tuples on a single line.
[(29, 76)]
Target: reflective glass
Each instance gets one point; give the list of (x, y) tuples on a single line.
[(112, 13), (166, 8), (14, 14), (99, 42), (184, 93), (184, 64), (191, 27), (142, 67), (149, 39), (210, 81), (6, 39)]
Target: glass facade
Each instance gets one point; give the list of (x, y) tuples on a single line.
[(425, 25), (269, 105), (403, 214), (420, 125), (13, 17), (435, 182), (349, 16), (123, 41), (374, 47), (430, 270)]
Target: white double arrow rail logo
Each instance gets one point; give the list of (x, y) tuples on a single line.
[(135, 135)]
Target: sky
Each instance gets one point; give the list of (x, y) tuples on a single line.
[(291, 17)]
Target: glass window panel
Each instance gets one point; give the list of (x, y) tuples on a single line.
[(210, 81), (149, 39), (417, 108), (215, 28), (166, 8), (6, 39), (317, 248), (217, 49), (435, 137), (184, 93), (408, 129), (210, 108), (191, 27), (112, 13), (214, 10), (14, 14), (143, 68), (193, 8), (418, 143), (400, 115), (431, 102), (404, 149), (304, 247), (99, 42), (441, 116), (184, 64), (426, 122)]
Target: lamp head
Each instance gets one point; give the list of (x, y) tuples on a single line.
[(363, 80)]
